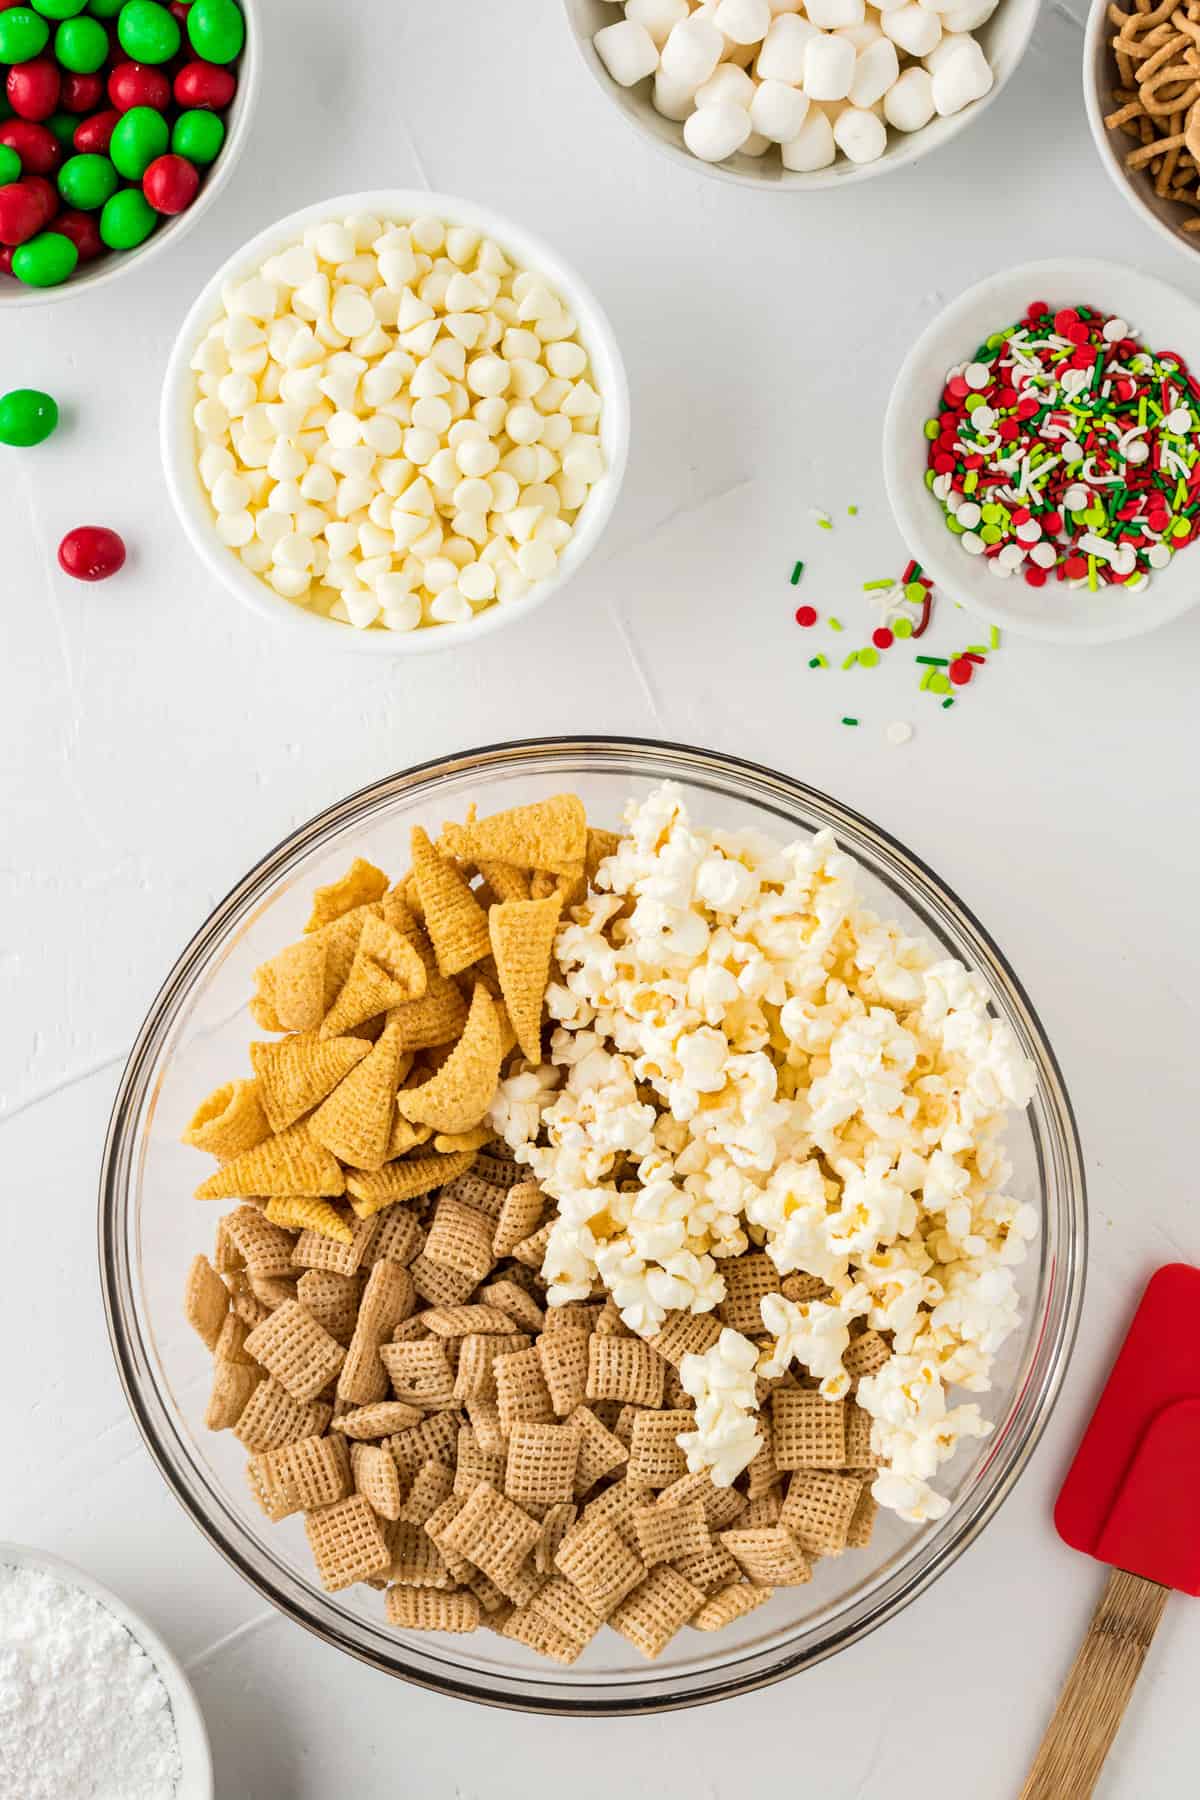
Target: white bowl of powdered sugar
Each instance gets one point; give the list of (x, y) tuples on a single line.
[(91, 1700)]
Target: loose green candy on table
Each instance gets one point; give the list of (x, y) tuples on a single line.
[(27, 417), (10, 165), (87, 181), (127, 220), (198, 136), (147, 32), (46, 260), (59, 9), (216, 29), (24, 34), (81, 45), (139, 136)]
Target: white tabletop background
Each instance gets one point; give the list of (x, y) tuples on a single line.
[(157, 741)]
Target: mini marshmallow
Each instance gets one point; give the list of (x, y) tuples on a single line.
[(658, 17), (727, 82), (829, 14), (946, 45), (627, 51), (968, 17), (673, 99), (715, 132), (963, 76), (778, 111), (828, 67), (861, 134), (861, 36), (691, 52), (782, 55), (909, 104), (813, 147), (876, 70), (756, 145), (743, 21), (913, 28)]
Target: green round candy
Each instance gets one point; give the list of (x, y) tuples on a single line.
[(138, 137), (147, 31), (27, 417), (81, 45), (59, 9), (46, 260), (86, 182), (198, 136), (217, 29), (24, 34), (63, 126), (127, 220), (10, 165), (105, 9)]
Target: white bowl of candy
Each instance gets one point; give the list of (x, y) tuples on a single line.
[(801, 93), (1065, 459), (393, 422)]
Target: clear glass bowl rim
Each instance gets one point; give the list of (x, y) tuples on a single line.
[(1035, 1401)]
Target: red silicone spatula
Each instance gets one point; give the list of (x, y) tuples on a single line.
[(1131, 1499)]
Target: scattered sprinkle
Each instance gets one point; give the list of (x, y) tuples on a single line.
[(818, 662), (946, 703), (797, 572), (995, 637), (849, 721), (898, 732), (851, 660), (853, 511), (806, 615), (836, 625), (934, 662)]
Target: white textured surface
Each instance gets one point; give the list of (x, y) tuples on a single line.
[(154, 745)]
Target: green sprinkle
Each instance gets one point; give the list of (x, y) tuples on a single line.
[(995, 643), (939, 683), (934, 662), (870, 587), (825, 524), (818, 662), (946, 703), (849, 721), (853, 511), (977, 649), (932, 429), (902, 628), (797, 572), (914, 593), (850, 660), (1093, 584), (836, 625), (868, 657), (926, 678)]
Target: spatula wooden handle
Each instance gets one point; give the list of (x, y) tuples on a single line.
[(1096, 1693)]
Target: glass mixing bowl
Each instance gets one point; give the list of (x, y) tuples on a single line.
[(196, 1036)]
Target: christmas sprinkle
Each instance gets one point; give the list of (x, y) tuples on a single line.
[(1065, 448), (849, 721), (797, 572)]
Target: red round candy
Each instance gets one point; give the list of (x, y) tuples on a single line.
[(83, 232), (205, 84), (94, 135), (1075, 568), (1077, 333), (6, 256), (882, 638), (1052, 522), (1036, 308), (33, 88), (1064, 319), (137, 84), (36, 145), (806, 615), (81, 93), (1034, 576), (170, 184), (179, 10), (960, 671), (91, 553), (25, 209)]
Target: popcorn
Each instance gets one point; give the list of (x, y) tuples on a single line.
[(745, 1053), (743, 75), (722, 1383)]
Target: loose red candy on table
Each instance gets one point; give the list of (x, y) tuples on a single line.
[(91, 553), (170, 184)]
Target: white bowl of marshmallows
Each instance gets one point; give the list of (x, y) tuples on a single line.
[(801, 93)]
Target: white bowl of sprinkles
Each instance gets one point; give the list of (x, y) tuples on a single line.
[(1060, 612), (87, 1685)]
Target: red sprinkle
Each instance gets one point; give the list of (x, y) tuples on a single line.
[(882, 638), (806, 615), (960, 671)]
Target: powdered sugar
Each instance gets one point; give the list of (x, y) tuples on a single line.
[(84, 1714)]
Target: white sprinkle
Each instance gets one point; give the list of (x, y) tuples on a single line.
[(1076, 498), (977, 375), (898, 732), (972, 544), (969, 514), (1043, 555), (1114, 330), (1159, 556)]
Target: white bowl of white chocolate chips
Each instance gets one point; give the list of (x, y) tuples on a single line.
[(801, 93), (394, 421)]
